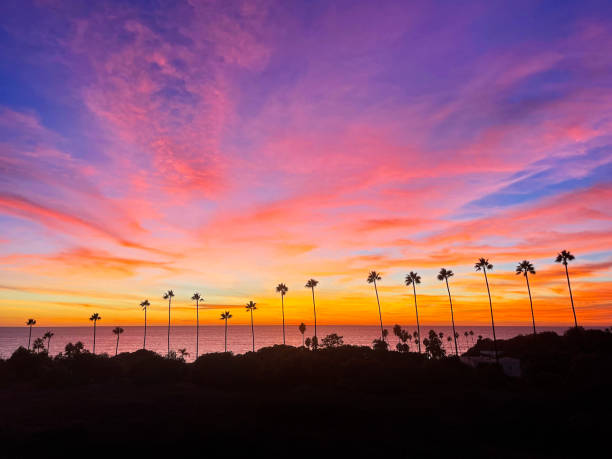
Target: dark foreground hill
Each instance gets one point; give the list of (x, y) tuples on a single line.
[(292, 402)]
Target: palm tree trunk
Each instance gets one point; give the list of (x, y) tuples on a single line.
[(252, 330), (571, 297), (169, 302), (30, 338), (117, 346), (48, 344), (492, 321), (417, 316), (283, 311), (225, 335), (197, 326), (530, 303), (94, 346), (382, 335), (144, 342), (452, 318), (314, 307)]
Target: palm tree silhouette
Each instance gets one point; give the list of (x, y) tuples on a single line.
[(117, 331), (373, 276), (183, 353), (38, 345), (444, 274), (168, 296), (197, 298), (412, 279), (30, 323), (565, 257), (144, 305), (525, 267), (48, 337), (302, 329), (311, 284), (224, 316), (483, 264), (94, 318), (250, 306), (282, 289)]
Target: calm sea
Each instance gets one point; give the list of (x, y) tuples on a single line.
[(238, 340)]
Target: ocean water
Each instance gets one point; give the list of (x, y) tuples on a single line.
[(238, 339)]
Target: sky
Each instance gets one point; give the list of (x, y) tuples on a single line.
[(224, 147)]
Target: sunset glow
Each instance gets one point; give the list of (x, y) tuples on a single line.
[(226, 147)]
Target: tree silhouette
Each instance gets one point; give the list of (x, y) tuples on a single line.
[(302, 329), (224, 316), (372, 278), (117, 331), (94, 318), (412, 279), (444, 274), (483, 264), (282, 289), (39, 345), (403, 336), (168, 296), (48, 335), (145, 305), (30, 323), (183, 353), (197, 298), (308, 342), (311, 284), (332, 340), (565, 257), (433, 346), (525, 267), (250, 306)]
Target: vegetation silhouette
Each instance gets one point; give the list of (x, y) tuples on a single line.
[(168, 296), (38, 345), (433, 345), (250, 306), (483, 264), (145, 305), (403, 337), (302, 329), (565, 257), (197, 298), (332, 340), (373, 276), (117, 331), (225, 316), (443, 275), (30, 323), (282, 289), (311, 284), (525, 268), (94, 318), (412, 279), (48, 335)]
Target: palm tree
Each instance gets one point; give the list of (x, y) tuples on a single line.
[(48, 337), (168, 296), (302, 329), (250, 306), (30, 323), (183, 353), (224, 316), (311, 284), (372, 278), (525, 267), (565, 257), (144, 305), (117, 331), (282, 289), (412, 279), (483, 264), (444, 274), (38, 345), (94, 318), (197, 298)]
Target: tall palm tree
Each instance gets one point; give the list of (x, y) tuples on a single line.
[(302, 329), (444, 274), (117, 331), (565, 257), (224, 316), (197, 298), (525, 267), (168, 296), (373, 276), (48, 337), (412, 279), (94, 318), (311, 284), (282, 289), (30, 323), (250, 306), (482, 265), (144, 305)]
